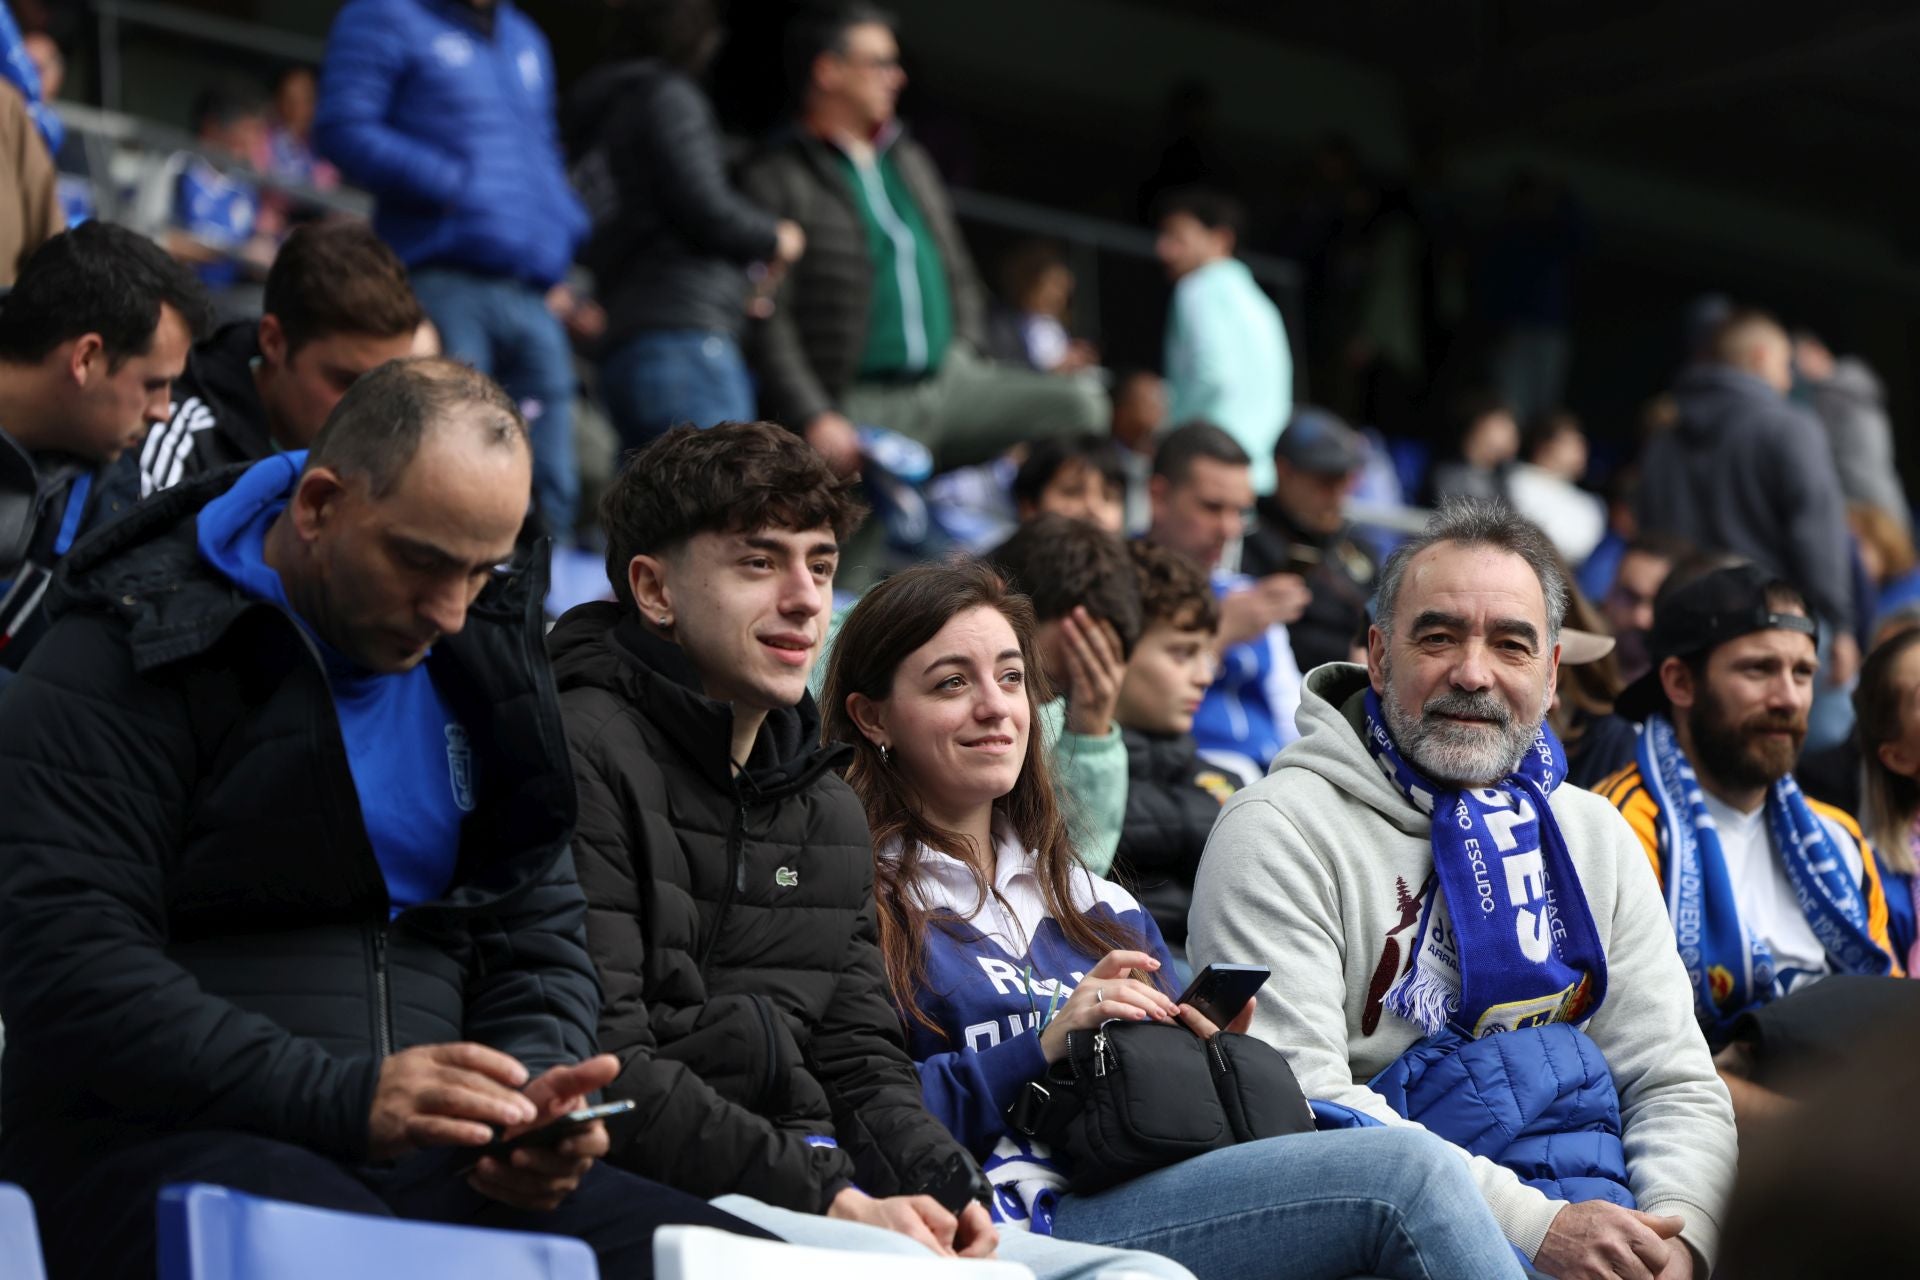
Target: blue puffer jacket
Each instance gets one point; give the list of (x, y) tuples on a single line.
[(454, 131), (1539, 1101)]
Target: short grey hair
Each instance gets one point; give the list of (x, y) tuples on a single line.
[(379, 423), (1479, 522)]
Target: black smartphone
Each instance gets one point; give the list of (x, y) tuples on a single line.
[(559, 1129), (958, 1183), (1221, 991)]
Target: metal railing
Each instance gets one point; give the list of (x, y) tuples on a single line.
[(1085, 238)]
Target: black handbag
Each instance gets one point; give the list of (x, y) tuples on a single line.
[(1132, 1097)]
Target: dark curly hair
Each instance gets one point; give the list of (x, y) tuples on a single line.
[(735, 477), (1173, 588)]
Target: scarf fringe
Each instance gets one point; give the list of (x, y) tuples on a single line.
[(1423, 998)]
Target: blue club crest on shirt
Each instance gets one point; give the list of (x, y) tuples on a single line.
[(460, 767)]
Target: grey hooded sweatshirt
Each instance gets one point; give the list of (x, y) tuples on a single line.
[(1853, 408), (1319, 871), (1749, 472)]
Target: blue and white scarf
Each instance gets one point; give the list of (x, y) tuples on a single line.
[(1731, 968), (1507, 940)]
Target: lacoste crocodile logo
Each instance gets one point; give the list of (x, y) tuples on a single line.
[(786, 877)]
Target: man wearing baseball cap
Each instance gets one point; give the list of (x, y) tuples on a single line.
[(1303, 529), (1768, 890)]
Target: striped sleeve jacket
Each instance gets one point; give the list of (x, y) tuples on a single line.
[(1627, 792)]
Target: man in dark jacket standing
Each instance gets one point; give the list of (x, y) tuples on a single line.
[(445, 111), (286, 902), (883, 321), (1747, 471), (672, 240)]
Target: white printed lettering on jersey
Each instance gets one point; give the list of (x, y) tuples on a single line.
[(460, 767)]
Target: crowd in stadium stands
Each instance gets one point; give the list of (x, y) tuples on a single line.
[(949, 704)]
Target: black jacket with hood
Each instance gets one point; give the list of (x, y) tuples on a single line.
[(671, 238), (1748, 472), (194, 930), (218, 417), (732, 919)]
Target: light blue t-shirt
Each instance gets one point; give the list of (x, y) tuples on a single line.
[(1228, 362), (412, 760)]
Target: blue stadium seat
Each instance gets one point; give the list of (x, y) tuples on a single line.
[(19, 1236), (212, 1233)]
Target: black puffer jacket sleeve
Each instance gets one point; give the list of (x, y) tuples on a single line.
[(689, 176), (536, 995), (685, 1134), (98, 768), (861, 1059)]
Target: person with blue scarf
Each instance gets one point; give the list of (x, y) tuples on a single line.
[(1459, 938), (1769, 891)]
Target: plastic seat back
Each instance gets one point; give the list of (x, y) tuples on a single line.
[(213, 1233), (19, 1236), (702, 1253)]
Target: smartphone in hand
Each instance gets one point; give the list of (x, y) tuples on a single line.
[(559, 1129), (1221, 991)]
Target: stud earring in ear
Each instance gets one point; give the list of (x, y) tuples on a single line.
[(665, 621), (886, 754)]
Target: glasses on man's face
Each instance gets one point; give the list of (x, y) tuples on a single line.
[(869, 62)]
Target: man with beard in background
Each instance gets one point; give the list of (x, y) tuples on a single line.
[(1769, 891)]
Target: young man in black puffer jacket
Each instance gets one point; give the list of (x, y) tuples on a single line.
[(1173, 795), (728, 869)]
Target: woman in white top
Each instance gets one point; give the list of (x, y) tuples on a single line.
[(998, 942)]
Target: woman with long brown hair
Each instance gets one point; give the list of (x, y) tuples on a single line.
[(998, 941), (1886, 710)]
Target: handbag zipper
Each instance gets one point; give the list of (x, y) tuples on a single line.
[(1100, 1051)]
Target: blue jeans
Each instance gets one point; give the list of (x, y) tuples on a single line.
[(660, 378), (1050, 1258), (1388, 1202), (503, 329)]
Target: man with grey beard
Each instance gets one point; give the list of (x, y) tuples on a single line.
[(1458, 940)]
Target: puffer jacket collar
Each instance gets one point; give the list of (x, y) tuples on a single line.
[(603, 645)]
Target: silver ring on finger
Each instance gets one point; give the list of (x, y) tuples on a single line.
[(1099, 995)]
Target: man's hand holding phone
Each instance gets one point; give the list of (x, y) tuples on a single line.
[(446, 1095), (540, 1177), (462, 1095)]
